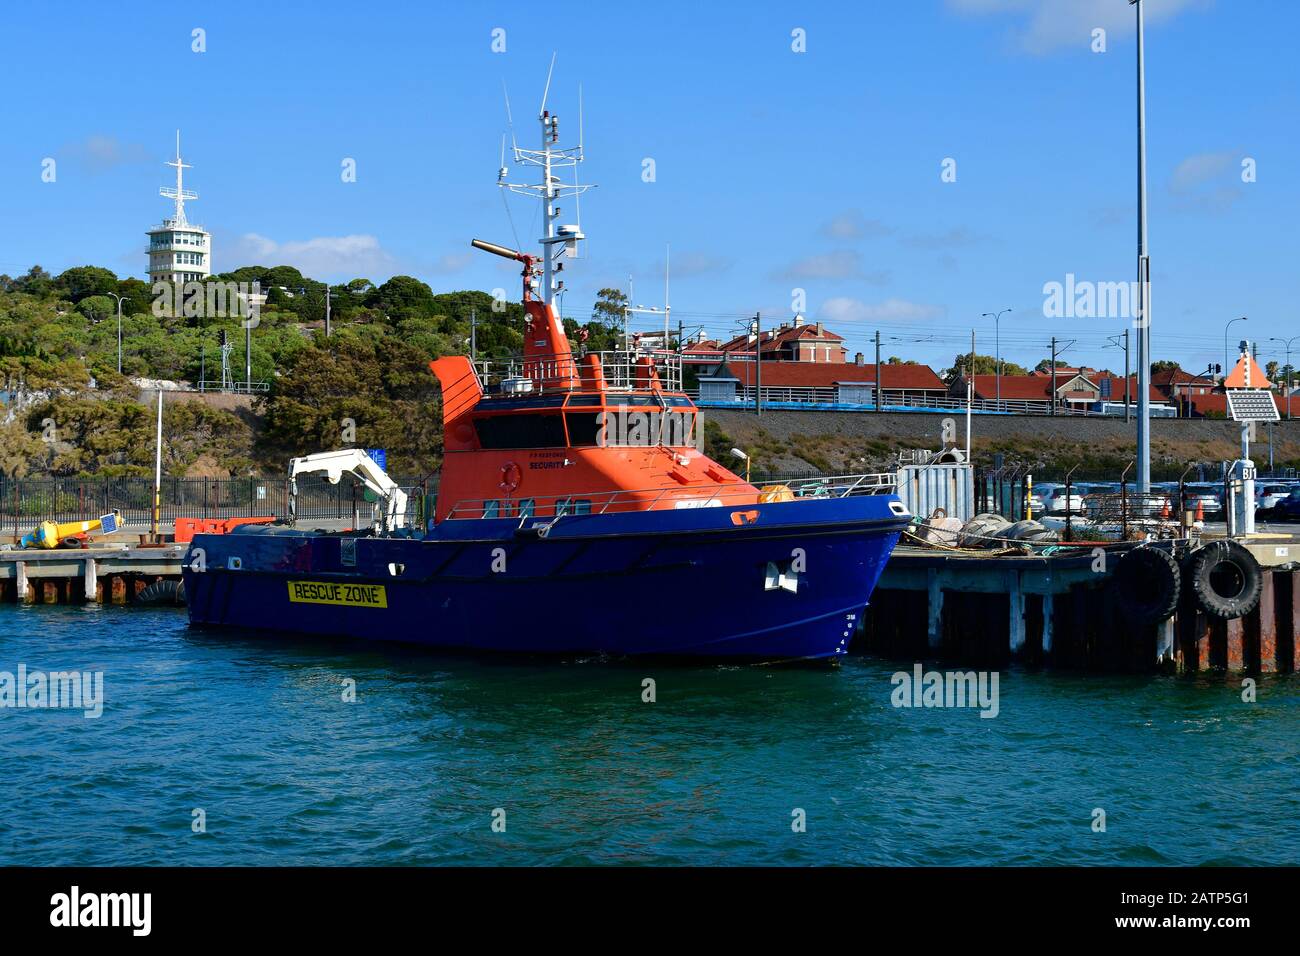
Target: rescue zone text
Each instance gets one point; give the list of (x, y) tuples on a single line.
[(324, 592)]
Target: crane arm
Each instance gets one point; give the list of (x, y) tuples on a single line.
[(354, 461)]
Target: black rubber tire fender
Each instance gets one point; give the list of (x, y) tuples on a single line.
[(1225, 579), (163, 593), (1147, 584)]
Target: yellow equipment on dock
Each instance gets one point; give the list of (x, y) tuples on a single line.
[(50, 534)]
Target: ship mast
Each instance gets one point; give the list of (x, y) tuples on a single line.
[(558, 240)]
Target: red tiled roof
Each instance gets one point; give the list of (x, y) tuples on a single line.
[(826, 374), (1014, 387), (1117, 388), (778, 338), (1176, 376), (1029, 388)]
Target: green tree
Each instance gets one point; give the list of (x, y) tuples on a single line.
[(81, 281), (984, 365)]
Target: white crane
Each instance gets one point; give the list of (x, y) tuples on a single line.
[(354, 461)]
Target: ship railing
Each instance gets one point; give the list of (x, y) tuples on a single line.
[(621, 371), (652, 499)]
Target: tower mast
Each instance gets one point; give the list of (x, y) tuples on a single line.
[(180, 193), (557, 239)]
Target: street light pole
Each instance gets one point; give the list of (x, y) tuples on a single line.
[(997, 353), (119, 331), (1225, 342), (1287, 344), (1144, 274)]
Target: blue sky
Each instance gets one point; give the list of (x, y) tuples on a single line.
[(775, 170)]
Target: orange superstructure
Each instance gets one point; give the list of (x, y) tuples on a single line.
[(600, 431)]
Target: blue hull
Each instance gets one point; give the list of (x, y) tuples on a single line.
[(788, 582)]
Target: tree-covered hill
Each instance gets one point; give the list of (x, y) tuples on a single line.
[(59, 355)]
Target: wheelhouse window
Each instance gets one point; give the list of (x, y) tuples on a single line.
[(520, 431)]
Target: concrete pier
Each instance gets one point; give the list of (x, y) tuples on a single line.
[(74, 576), (1060, 610)]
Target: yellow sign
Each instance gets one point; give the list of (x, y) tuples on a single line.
[(332, 592)]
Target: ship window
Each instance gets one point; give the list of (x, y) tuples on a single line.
[(526, 508), (572, 506), (632, 427), (491, 509), (583, 428), (520, 431)]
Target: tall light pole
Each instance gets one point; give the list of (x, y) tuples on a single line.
[(997, 350), (1287, 344), (119, 331), (1144, 274), (1225, 343)]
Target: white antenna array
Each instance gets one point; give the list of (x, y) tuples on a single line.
[(558, 240), (180, 194)]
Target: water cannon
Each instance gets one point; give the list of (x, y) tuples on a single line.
[(502, 251)]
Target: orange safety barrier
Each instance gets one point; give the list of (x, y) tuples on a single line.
[(187, 528)]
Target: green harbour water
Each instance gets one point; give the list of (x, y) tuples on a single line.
[(254, 731)]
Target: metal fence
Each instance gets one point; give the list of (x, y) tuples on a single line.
[(25, 502)]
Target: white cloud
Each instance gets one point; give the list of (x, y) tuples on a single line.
[(689, 265), (1207, 182), (99, 153), (1056, 24), (323, 256), (853, 225), (1201, 168), (841, 264), (845, 309), (954, 238), (453, 262)]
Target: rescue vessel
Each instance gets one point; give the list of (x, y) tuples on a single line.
[(575, 513)]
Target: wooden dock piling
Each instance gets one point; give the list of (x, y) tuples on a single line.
[(1060, 610)]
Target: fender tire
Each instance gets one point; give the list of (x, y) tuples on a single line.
[(1225, 579), (1147, 585), (163, 594)]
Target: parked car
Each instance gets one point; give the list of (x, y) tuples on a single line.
[(1055, 501), (1205, 497), (1268, 496), (1288, 509)]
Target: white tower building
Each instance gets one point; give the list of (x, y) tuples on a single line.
[(178, 251)]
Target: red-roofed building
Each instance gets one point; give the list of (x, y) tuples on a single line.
[(798, 341), (1034, 392), (822, 383), (1177, 385)]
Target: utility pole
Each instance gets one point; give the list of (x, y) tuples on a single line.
[(879, 376), (1128, 406), (473, 334), (1054, 376), (1144, 274), (970, 391), (758, 364), (248, 357), (328, 294)]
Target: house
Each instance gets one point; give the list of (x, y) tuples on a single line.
[(796, 341), (821, 383), (1077, 391), (1176, 385)]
